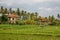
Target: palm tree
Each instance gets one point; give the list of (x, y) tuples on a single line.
[(5, 10), (58, 16), (36, 14), (22, 13), (13, 11), (2, 9), (28, 13), (39, 18), (32, 16), (52, 18), (49, 18), (10, 10), (25, 12), (18, 11), (28, 16), (45, 17)]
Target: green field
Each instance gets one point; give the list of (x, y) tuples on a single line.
[(29, 32)]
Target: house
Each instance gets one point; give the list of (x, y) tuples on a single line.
[(43, 21), (12, 18)]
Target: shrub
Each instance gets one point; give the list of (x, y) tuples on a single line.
[(29, 21), (54, 23), (4, 19), (20, 22)]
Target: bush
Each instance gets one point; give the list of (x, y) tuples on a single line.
[(54, 23), (29, 21), (20, 22), (4, 18)]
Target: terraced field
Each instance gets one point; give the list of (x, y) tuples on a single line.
[(29, 32)]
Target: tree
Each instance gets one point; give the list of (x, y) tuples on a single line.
[(18, 11), (4, 18), (25, 13), (32, 15), (36, 14), (10, 10), (22, 12), (2, 9), (39, 17), (52, 18), (45, 17), (28, 16), (28, 13), (49, 18), (58, 16), (5, 11), (13, 11)]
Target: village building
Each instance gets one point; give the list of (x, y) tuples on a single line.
[(43, 21), (12, 18)]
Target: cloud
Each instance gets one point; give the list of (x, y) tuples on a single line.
[(7, 2), (30, 2), (56, 9), (49, 11), (44, 7)]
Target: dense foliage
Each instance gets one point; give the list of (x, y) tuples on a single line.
[(27, 17)]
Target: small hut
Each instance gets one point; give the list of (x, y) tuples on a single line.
[(13, 18), (43, 21)]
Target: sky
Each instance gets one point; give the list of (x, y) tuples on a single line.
[(43, 7)]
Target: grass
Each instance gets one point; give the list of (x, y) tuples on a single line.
[(29, 32)]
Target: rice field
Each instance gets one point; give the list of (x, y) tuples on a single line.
[(29, 32)]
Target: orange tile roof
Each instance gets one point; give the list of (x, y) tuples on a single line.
[(43, 19), (13, 16)]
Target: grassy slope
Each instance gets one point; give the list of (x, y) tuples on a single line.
[(24, 32)]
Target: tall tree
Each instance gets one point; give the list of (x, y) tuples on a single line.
[(39, 18), (10, 10), (25, 13), (45, 17), (2, 9), (52, 18), (18, 11), (5, 10), (28, 13), (49, 18), (58, 16), (32, 16), (13, 11), (28, 16), (36, 15), (22, 13)]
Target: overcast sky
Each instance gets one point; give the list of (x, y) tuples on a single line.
[(43, 7)]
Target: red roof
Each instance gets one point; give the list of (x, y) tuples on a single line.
[(13, 16), (43, 19)]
